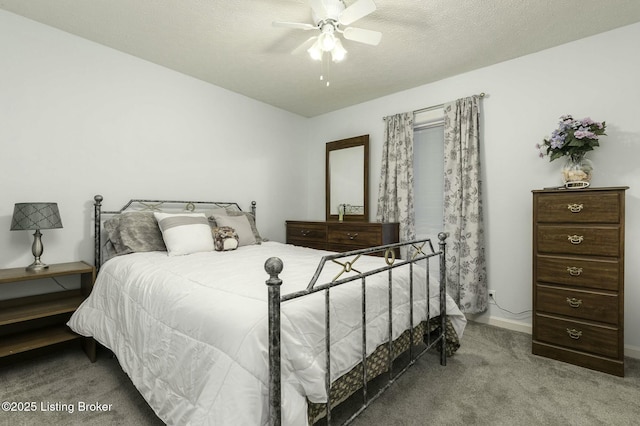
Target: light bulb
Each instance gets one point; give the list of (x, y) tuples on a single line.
[(339, 52), (315, 51), (328, 41)]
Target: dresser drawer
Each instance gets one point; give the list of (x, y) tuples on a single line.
[(579, 272), (578, 207), (354, 236), (307, 234), (587, 240), (577, 335), (601, 307)]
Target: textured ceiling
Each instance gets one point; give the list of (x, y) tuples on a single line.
[(232, 44)]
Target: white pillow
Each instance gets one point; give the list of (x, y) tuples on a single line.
[(241, 225), (185, 233)]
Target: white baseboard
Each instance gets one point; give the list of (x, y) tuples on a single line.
[(525, 327), (632, 352)]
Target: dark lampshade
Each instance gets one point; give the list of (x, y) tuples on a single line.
[(31, 216), (36, 216)]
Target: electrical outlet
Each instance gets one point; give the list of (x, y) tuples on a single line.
[(492, 296)]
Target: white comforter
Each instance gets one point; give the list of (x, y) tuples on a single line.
[(191, 331)]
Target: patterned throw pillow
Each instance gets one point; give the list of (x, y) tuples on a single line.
[(224, 238), (133, 232)]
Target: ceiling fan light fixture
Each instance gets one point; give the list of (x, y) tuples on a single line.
[(339, 52), (315, 51), (328, 41)]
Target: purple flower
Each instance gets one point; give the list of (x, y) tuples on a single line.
[(572, 137), (585, 134)]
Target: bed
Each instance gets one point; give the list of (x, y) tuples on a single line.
[(239, 335)]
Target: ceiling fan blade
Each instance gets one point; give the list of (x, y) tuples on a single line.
[(363, 36), (304, 46), (358, 10), (296, 25), (318, 8)]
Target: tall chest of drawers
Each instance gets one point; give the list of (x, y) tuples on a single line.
[(578, 277)]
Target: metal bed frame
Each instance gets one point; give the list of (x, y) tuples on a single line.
[(147, 205), (273, 267), (418, 250)]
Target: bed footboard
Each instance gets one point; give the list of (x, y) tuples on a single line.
[(418, 250)]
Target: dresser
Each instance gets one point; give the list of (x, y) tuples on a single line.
[(341, 236), (578, 277)]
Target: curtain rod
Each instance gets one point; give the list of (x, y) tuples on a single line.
[(418, 111), (481, 95)]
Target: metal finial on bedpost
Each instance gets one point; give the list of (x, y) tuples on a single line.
[(97, 205), (253, 209), (274, 266), (442, 236)]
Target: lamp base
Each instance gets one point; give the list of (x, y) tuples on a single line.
[(37, 249), (36, 266)]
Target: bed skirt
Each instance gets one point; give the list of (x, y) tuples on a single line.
[(377, 363)]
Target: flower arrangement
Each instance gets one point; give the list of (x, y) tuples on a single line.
[(572, 137)]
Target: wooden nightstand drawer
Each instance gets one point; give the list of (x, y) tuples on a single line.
[(578, 335), (600, 307), (578, 207), (579, 272), (587, 240)]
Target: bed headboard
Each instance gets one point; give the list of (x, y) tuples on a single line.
[(172, 206)]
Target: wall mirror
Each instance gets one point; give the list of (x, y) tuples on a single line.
[(347, 179)]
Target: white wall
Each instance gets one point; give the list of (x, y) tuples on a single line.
[(596, 77), (80, 119)]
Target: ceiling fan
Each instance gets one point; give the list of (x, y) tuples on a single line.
[(330, 18)]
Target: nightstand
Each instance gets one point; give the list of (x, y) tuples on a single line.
[(34, 322)]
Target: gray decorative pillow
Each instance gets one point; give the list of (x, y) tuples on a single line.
[(210, 216), (252, 223), (134, 232), (241, 226), (139, 232), (114, 242)]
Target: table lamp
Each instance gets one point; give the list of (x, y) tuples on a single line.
[(36, 216)]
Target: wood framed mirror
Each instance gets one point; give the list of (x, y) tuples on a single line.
[(347, 179)]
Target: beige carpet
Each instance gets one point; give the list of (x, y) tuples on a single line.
[(492, 380)]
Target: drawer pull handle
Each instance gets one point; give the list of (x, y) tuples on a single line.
[(575, 239), (304, 232), (352, 236), (574, 271), (575, 208), (574, 334), (574, 303)]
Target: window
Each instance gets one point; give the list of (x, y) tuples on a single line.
[(428, 179)]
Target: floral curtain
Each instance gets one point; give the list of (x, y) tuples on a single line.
[(395, 194), (466, 269)]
